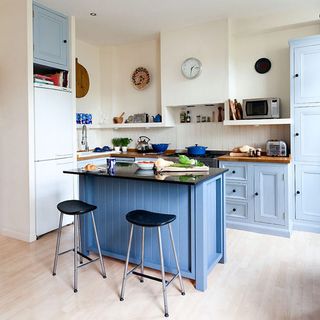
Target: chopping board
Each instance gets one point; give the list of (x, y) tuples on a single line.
[(179, 169), (82, 80), (239, 154)]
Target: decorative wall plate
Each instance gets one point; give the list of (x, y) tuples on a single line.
[(140, 78), (263, 65)]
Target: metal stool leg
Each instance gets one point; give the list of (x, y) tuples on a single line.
[(124, 280), (142, 254), (164, 286), (75, 255), (57, 245), (79, 238), (103, 271), (176, 258)]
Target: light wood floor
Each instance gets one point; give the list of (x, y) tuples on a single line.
[(265, 278)]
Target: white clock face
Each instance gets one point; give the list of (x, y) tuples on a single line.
[(191, 68)]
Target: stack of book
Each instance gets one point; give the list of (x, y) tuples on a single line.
[(59, 79)]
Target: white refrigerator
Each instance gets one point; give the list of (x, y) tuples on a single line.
[(53, 154)]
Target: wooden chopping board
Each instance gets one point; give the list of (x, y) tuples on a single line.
[(82, 80), (178, 169), (239, 154)]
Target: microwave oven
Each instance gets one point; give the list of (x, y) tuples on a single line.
[(267, 108)]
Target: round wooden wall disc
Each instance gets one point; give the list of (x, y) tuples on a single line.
[(140, 78), (82, 80)]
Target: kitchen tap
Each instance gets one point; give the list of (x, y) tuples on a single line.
[(84, 138)]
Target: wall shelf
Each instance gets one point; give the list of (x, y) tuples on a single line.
[(257, 122), (126, 125)]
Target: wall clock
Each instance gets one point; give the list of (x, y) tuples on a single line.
[(191, 68), (263, 65), (140, 78), (82, 80)]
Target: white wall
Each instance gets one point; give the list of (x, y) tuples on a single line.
[(246, 48), (89, 56), (16, 161), (208, 43), (126, 59), (228, 51)]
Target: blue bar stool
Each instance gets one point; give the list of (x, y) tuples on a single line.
[(77, 208), (149, 219)]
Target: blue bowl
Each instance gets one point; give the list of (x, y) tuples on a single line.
[(160, 147)]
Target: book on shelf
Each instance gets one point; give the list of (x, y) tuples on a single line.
[(41, 81), (60, 79)]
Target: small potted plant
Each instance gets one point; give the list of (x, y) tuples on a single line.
[(124, 144), (116, 144)]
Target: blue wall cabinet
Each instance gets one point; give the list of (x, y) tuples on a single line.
[(269, 195), (50, 38), (307, 133), (257, 197), (307, 192), (307, 74)]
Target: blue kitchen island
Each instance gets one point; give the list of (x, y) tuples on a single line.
[(197, 199)]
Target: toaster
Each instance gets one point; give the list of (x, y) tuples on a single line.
[(276, 148)]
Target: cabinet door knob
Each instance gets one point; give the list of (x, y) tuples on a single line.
[(65, 41), (234, 209), (234, 190), (233, 172), (297, 134), (296, 75), (256, 194), (298, 192)]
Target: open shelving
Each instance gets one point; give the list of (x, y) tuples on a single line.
[(127, 125), (257, 122)]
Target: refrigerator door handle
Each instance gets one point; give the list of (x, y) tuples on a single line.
[(66, 155)]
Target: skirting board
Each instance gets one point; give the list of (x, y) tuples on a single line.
[(17, 235), (305, 226), (259, 229)]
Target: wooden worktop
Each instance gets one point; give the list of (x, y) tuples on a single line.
[(263, 158), (132, 153)]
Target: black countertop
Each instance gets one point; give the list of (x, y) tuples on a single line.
[(131, 171)]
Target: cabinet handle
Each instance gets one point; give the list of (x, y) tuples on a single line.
[(233, 172), (297, 134), (296, 75), (65, 41), (234, 190), (256, 194), (234, 209), (298, 192)]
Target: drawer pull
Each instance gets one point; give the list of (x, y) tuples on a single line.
[(256, 194), (233, 172), (234, 190), (234, 209), (298, 192)]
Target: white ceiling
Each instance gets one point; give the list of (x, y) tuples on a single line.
[(124, 21)]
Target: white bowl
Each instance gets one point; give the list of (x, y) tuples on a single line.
[(145, 165)]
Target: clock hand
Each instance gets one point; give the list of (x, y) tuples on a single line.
[(191, 70)]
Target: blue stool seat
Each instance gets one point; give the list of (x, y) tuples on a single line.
[(73, 207), (146, 218)]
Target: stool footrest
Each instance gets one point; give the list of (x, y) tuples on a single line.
[(148, 276), (84, 264)]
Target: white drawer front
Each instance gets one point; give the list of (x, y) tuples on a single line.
[(236, 191), (237, 210), (236, 171)]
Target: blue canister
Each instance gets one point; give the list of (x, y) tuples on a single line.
[(111, 165)]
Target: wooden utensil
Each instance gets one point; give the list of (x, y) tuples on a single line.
[(118, 119)]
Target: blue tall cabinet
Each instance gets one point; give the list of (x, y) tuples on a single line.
[(50, 38), (305, 108)]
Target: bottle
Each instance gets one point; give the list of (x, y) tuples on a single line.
[(188, 117), (182, 116)]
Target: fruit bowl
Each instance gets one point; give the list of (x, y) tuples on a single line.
[(145, 165)]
